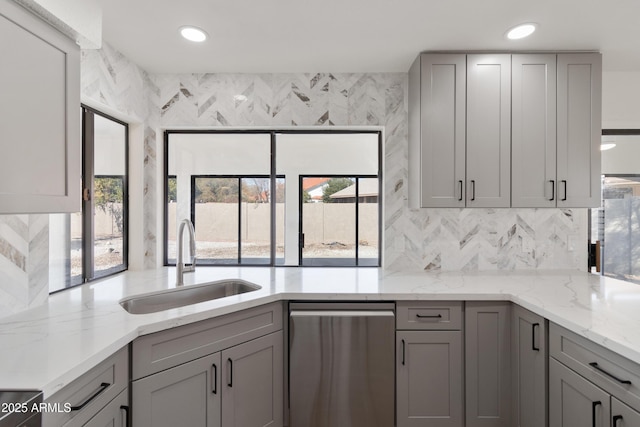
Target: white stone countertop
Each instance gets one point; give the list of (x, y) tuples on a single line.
[(47, 347)]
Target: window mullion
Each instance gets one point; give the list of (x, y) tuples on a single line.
[(88, 196)]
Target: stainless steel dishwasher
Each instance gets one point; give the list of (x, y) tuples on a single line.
[(341, 364)]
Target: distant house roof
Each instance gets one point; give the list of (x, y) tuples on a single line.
[(367, 187), (309, 184)]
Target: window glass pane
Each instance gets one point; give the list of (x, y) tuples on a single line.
[(280, 219), (216, 219), (76, 248), (329, 221), (255, 216), (368, 220), (109, 196), (621, 248)]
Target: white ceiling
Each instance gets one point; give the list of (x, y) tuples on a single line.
[(254, 36)]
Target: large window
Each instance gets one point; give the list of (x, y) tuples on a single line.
[(252, 196), (615, 227), (93, 243)]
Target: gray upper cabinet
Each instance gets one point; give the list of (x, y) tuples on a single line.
[(501, 130), (556, 120), (579, 129), (529, 353), (488, 130), (488, 364), (437, 131), (533, 138), (39, 115)]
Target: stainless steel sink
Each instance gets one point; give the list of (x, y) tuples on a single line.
[(185, 295)]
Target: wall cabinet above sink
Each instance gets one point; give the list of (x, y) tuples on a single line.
[(501, 130)]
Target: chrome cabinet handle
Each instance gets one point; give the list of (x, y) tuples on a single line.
[(595, 366), (102, 388)]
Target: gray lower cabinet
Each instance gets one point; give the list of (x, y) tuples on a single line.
[(488, 364), (252, 383), (623, 415), (115, 414), (574, 401), (187, 395), (240, 386), (529, 368), (429, 378)]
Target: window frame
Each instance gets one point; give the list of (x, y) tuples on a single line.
[(357, 219), (273, 132), (88, 207)]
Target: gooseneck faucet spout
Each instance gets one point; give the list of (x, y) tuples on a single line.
[(181, 266)]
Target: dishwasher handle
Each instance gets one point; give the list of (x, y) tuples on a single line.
[(342, 313)]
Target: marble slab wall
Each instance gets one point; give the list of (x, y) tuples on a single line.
[(24, 262)]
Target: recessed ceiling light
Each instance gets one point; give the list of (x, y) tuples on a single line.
[(521, 31), (607, 146), (193, 34)]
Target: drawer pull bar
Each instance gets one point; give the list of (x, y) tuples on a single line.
[(616, 418), (103, 387), (533, 337), (230, 382), (594, 405), (429, 316), (402, 352), (594, 365)]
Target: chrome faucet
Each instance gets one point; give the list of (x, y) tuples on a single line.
[(181, 267)]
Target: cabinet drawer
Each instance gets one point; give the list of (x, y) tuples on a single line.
[(429, 315), (615, 374), (166, 349), (89, 393)]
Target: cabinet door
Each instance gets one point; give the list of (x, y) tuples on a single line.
[(488, 130), (115, 414), (429, 378), (187, 395), (529, 368), (574, 401), (488, 364), (39, 115), (533, 133), (579, 129), (253, 383), (623, 415), (437, 148)]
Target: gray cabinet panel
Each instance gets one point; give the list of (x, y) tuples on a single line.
[(437, 130), (165, 349), (623, 415), (574, 401), (114, 414), (529, 368), (533, 135), (488, 364), (579, 129), (253, 383), (429, 378), (488, 130), (39, 127), (187, 395), (431, 315)]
